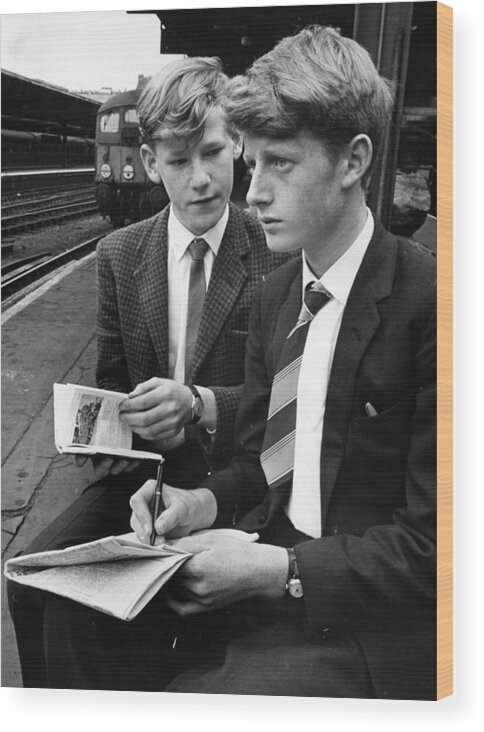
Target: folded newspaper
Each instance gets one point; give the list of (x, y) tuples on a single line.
[(86, 422), (117, 575)]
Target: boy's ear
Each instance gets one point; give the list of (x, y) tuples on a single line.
[(149, 161), (238, 145), (358, 157)]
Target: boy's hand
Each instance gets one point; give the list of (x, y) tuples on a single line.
[(105, 465), (224, 570), (185, 511), (157, 408)]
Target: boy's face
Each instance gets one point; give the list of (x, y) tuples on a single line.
[(295, 191), (198, 178)]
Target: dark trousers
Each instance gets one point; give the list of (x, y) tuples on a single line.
[(254, 647)]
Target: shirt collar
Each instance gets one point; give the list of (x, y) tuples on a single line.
[(339, 278), (179, 237)]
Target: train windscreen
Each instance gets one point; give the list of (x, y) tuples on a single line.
[(109, 122)]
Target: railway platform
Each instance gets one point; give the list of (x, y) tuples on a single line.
[(47, 337)]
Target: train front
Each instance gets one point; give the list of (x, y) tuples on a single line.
[(123, 190)]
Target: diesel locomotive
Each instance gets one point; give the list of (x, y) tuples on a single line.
[(123, 190)]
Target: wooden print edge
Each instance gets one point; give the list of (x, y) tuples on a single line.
[(444, 352)]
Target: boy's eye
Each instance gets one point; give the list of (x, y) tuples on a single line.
[(281, 162), (213, 153)]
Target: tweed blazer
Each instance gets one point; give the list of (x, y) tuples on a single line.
[(373, 570), (132, 327)]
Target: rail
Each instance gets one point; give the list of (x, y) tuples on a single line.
[(16, 282), (42, 216)]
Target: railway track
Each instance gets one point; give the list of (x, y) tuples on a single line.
[(20, 275), (14, 199), (21, 182), (40, 212)]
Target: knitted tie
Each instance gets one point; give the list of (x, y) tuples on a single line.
[(196, 297), (277, 457)]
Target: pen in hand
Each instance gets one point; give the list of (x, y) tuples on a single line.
[(158, 503)]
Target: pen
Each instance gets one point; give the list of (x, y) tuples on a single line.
[(370, 410), (158, 503)]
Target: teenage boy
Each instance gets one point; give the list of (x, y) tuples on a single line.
[(174, 295), (335, 437)]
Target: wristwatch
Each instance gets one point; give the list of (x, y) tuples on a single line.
[(197, 405), (293, 585)]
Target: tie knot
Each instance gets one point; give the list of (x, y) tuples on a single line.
[(198, 248), (315, 297)]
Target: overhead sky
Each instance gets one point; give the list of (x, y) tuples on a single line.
[(91, 49), (82, 50)]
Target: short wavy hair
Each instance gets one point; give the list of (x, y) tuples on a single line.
[(316, 80), (177, 100)]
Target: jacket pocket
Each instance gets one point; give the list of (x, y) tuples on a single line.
[(381, 442)]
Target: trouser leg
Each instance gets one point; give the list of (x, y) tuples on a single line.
[(86, 649), (102, 509), (281, 656), (26, 607)]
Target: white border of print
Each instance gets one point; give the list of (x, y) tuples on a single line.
[(54, 710)]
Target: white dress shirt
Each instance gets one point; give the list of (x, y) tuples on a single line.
[(304, 507), (179, 261)]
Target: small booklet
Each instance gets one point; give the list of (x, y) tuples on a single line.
[(117, 575), (86, 422)]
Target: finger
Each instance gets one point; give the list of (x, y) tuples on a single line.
[(160, 431), (102, 468), (142, 532), (146, 386), (119, 466), (132, 464), (184, 609), (193, 544), (171, 520), (140, 504), (145, 415), (142, 402)]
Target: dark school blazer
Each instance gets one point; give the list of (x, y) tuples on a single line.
[(132, 327), (373, 570)]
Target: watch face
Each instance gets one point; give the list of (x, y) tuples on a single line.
[(294, 587), (198, 408)]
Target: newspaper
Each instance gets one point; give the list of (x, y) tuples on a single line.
[(86, 421), (117, 575)]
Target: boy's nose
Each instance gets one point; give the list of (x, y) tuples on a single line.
[(258, 193), (200, 177)]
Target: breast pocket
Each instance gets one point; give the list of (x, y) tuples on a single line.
[(381, 442)]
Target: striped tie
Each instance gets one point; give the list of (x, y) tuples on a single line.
[(277, 457)]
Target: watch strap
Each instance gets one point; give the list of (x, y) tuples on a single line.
[(294, 586), (196, 396), (293, 570)]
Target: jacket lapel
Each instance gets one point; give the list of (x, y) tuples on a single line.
[(360, 321), (151, 276), (287, 317), (226, 282)]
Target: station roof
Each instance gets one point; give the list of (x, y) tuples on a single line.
[(240, 35), (26, 102)]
